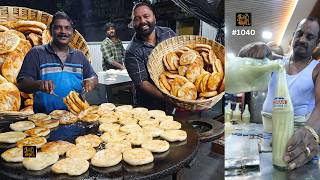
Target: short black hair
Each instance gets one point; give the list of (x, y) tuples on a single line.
[(60, 15), (142, 3), (309, 18), (109, 25)]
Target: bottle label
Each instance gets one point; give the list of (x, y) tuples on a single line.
[(280, 102)]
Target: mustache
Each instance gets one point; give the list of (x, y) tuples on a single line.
[(301, 44), (62, 35)]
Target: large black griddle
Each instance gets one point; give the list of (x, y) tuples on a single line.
[(178, 156)]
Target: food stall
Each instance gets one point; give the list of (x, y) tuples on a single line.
[(48, 146)]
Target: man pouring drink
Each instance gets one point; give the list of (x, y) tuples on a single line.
[(303, 84)]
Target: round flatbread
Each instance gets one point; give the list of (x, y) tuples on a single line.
[(164, 118), (10, 99), (38, 131), (46, 37), (23, 23), (120, 146), (127, 121), (3, 28), (35, 39), (156, 113), (81, 152), (22, 125), (123, 114), (8, 42), (41, 161), (130, 128), (68, 118), (51, 123), (109, 127), (124, 108), (107, 119), (149, 122), (30, 29), (137, 156), (11, 66), (106, 158), (174, 135), (168, 124), (88, 140), (13, 155), (107, 107), (113, 136), (90, 117), (12, 137), (139, 110), (71, 166), (157, 145), (60, 147), (138, 138), (20, 34), (57, 114), (32, 141), (187, 57), (38, 116), (188, 91), (153, 130)]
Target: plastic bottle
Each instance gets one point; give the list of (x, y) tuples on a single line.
[(282, 121), (227, 112), (236, 115), (246, 115)]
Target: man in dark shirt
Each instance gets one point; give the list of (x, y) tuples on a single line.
[(55, 68), (147, 36)]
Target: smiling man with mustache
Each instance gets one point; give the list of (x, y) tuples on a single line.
[(303, 78), (55, 68), (147, 36)]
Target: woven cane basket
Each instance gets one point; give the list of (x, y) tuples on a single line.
[(8, 13), (156, 67)]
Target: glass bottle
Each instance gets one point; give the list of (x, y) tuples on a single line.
[(282, 121), (246, 115), (228, 112)]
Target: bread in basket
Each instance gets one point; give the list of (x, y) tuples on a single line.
[(202, 96)]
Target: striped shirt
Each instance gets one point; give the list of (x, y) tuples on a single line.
[(111, 52), (42, 63), (136, 59)]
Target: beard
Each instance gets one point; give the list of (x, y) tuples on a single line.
[(301, 50), (145, 31), (111, 35)]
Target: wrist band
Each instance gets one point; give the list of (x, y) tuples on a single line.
[(313, 132)]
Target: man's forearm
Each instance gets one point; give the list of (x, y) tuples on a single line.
[(118, 65), (151, 89), (314, 120), (28, 85)]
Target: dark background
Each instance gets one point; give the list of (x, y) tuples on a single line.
[(90, 16)]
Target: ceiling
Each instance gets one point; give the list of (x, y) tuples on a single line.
[(276, 16)]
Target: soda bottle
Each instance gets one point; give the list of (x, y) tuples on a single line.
[(282, 121)]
